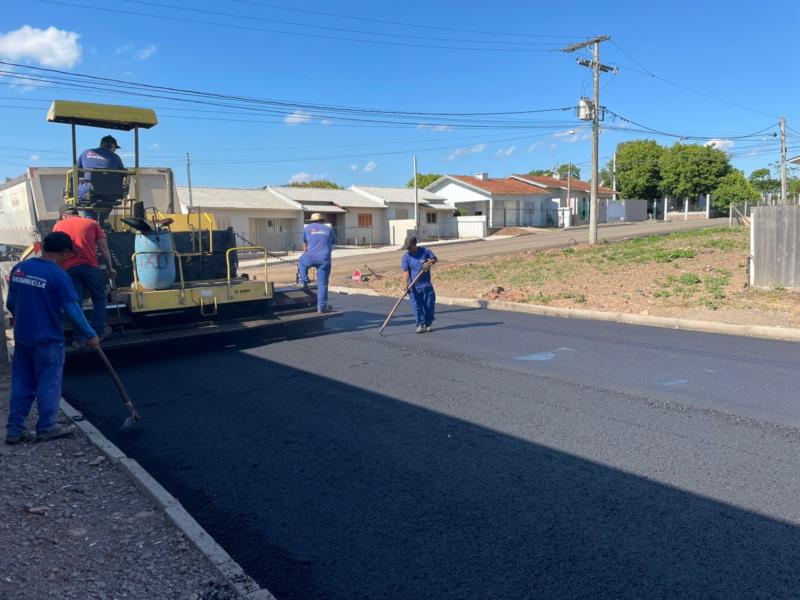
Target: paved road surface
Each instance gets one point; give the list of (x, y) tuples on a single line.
[(382, 261), (502, 456)]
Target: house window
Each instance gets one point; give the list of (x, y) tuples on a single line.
[(401, 213), (364, 220), (478, 213), (223, 222), (430, 218)]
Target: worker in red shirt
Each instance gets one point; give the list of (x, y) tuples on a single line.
[(83, 267)]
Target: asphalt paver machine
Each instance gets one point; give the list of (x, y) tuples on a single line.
[(177, 272)]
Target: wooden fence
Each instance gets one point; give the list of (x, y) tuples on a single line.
[(774, 244)]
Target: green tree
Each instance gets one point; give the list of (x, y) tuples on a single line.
[(541, 172), (316, 183), (794, 187), (734, 188), (763, 182), (423, 180), (569, 168), (638, 169), (690, 170)]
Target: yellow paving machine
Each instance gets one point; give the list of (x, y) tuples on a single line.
[(177, 272)]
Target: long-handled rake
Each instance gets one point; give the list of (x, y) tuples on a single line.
[(134, 417), (400, 299)]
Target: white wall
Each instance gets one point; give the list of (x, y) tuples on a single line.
[(471, 227), (399, 229), (454, 193), (352, 234)]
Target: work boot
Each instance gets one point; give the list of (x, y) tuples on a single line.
[(61, 431), (23, 436), (324, 310), (428, 328), (420, 329)]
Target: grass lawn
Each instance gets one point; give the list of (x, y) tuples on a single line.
[(699, 274)]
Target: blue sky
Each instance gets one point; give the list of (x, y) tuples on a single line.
[(730, 70)]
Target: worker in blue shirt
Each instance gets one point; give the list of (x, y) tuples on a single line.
[(39, 290), (103, 157), (318, 241), (421, 295)]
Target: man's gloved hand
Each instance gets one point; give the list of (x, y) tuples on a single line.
[(111, 273), (93, 342)]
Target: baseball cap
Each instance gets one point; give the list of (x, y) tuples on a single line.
[(109, 139), (410, 241)]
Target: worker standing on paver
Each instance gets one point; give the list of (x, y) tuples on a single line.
[(421, 295), (83, 268), (318, 241), (39, 290), (103, 157)]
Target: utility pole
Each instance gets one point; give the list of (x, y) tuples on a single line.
[(189, 177), (416, 198), (783, 160), (596, 67), (614, 177)]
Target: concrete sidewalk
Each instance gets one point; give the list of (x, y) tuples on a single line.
[(347, 252)]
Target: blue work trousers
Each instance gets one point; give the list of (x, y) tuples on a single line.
[(423, 303), (90, 279), (36, 372), (323, 267)]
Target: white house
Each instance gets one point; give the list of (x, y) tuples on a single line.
[(572, 193), (436, 217), (357, 219), (258, 217), (506, 202)]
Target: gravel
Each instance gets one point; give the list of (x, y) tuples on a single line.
[(73, 526)]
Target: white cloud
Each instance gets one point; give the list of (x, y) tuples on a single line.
[(723, 145), (301, 177), (327, 122), (534, 146), (34, 157), (136, 53), (146, 52), (354, 167), (155, 146), (476, 149), (370, 166), (296, 118), (505, 152), (434, 127), (571, 136), (50, 47)]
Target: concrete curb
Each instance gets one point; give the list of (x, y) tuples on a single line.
[(755, 331), (228, 568)]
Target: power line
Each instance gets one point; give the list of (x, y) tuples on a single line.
[(645, 71), (684, 136), (283, 32), (400, 23), (331, 28), (286, 105)]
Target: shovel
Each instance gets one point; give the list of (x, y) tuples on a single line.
[(134, 417)]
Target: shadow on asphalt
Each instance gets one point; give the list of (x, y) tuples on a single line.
[(322, 489)]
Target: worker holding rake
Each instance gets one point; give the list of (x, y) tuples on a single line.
[(417, 261)]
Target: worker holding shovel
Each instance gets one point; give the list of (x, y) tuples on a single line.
[(417, 261)]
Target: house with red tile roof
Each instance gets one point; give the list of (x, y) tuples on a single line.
[(572, 193), (505, 202)]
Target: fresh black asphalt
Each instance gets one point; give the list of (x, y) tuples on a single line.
[(502, 456)]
